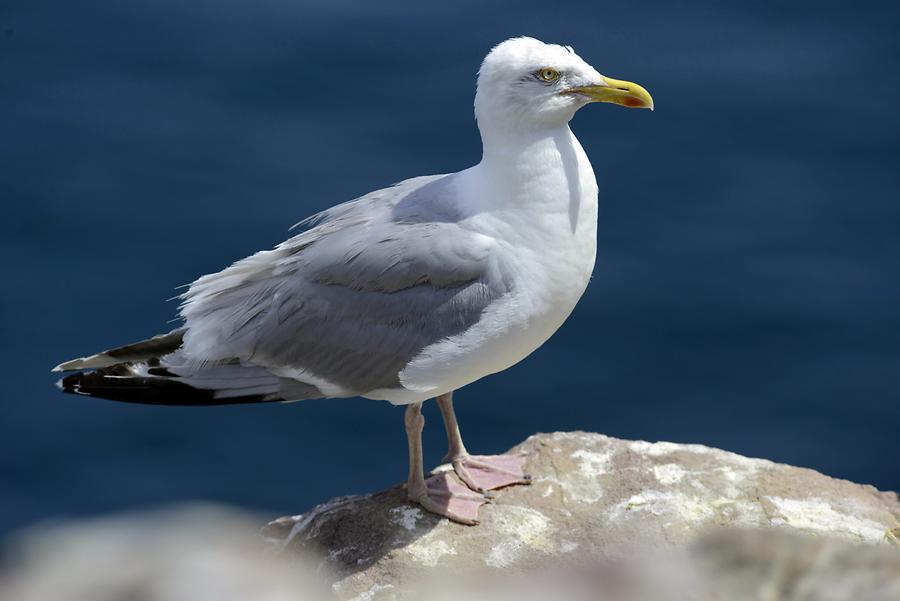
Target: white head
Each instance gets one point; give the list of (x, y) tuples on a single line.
[(525, 83)]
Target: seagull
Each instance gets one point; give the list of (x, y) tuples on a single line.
[(407, 293)]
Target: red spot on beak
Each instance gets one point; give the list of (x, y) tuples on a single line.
[(632, 102)]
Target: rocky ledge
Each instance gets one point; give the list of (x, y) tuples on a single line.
[(594, 499)]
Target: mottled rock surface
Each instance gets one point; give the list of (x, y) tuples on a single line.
[(593, 498)]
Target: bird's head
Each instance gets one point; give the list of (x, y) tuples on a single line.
[(524, 80)]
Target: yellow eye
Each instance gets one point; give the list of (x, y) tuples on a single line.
[(548, 74)]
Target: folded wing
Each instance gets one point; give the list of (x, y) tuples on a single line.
[(344, 306)]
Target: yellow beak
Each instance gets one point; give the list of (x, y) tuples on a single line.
[(616, 91)]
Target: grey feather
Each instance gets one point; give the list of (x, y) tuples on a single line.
[(354, 298), (230, 379)]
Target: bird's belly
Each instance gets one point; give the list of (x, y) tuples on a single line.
[(524, 336)]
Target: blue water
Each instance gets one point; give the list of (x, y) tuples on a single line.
[(746, 293)]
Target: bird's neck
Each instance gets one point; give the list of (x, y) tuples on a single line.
[(505, 146), (545, 166)]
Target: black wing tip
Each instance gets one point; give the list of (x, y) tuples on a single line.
[(127, 388)]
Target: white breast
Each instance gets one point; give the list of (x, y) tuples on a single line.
[(543, 213)]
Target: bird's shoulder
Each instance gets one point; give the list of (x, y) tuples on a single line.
[(395, 238)]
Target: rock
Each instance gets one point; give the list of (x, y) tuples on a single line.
[(605, 519), (180, 553), (199, 552), (593, 498), (779, 565)]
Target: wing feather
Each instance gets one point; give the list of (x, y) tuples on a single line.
[(348, 303)]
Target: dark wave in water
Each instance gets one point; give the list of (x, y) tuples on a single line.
[(746, 293)]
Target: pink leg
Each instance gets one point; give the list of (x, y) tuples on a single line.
[(480, 472), (441, 493)]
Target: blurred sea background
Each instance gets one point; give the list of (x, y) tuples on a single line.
[(746, 293)]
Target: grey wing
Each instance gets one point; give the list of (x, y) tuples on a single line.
[(346, 305)]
